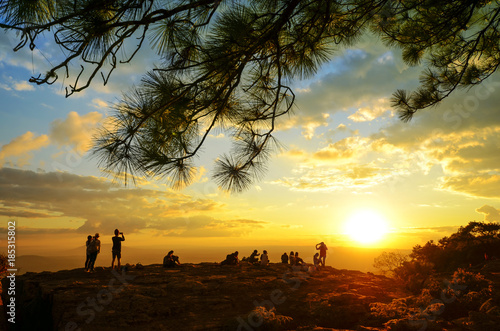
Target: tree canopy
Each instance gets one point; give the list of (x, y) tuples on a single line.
[(470, 245), (228, 64)]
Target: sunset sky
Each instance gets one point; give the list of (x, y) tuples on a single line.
[(346, 154)]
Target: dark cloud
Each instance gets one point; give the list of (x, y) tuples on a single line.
[(103, 206)]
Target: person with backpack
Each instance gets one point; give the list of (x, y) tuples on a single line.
[(94, 249)]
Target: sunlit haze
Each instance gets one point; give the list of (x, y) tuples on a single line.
[(366, 227)]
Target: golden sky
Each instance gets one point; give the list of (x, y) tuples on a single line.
[(346, 153)]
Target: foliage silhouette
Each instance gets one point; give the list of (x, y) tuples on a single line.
[(228, 65), (469, 246)]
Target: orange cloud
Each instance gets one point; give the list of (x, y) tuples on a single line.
[(21, 146), (75, 130)]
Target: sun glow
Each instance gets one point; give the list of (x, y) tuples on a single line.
[(366, 227)]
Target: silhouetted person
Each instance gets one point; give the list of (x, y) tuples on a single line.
[(264, 259), (253, 257), (316, 260), (231, 259), (284, 258), (292, 258), (116, 251), (95, 248), (322, 252), (298, 260), (87, 244), (171, 260)]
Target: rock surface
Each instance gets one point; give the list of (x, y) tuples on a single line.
[(209, 296), (199, 297)]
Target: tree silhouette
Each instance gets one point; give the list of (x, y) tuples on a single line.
[(469, 246), (228, 64)]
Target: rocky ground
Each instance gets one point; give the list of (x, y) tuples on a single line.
[(205, 297)]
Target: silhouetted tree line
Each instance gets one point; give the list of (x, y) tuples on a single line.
[(470, 246)]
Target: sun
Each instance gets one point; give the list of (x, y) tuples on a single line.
[(366, 227)]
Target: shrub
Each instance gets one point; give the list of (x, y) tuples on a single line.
[(387, 262), (263, 319), (413, 274)]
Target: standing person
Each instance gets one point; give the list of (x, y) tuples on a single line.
[(322, 252), (94, 248), (116, 251), (87, 244)]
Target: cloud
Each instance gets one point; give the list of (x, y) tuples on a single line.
[(371, 112), (5, 87), (477, 185), (424, 234), (23, 86), (343, 149), (347, 177), (102, 206), (100, 104), (75, 130), (469, 155), (491, 214), (353, 163), (21, 147), (361, 78), (206, 226)]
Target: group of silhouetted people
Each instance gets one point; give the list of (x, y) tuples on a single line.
[(254, 258), (293, 259), (170, 260), (231, 259), (93, 245)]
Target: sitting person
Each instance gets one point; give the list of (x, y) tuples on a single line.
[(264, 259), (171, 260), (231, 259), (292, 258), (298, 260), (284, 258), (253, 257), (316, 260)]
